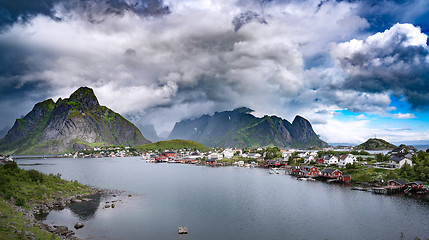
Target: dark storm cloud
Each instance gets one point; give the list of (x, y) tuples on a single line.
[(247, 17), (383, 14), (396, 60), (24, 10)]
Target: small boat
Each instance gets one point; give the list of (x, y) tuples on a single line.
[(182, 230), (174, 161), (274, 171)]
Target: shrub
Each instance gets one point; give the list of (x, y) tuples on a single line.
[(36, 176), (10, 165), (20, 201)]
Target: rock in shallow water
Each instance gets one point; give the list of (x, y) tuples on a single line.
[(79, 225)]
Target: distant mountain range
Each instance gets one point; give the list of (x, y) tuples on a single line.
[(239, 128), (69, 124)]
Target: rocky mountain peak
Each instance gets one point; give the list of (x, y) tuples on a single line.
[(239, 128), (70, 124), (84, 96), (243, 110)]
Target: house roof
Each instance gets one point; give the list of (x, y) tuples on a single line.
[(397, 158), (329, 170), (309, 167), (400, 181), (211, 160)]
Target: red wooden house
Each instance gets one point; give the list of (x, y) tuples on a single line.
[(211, 161), (169, 154), (345, 178), (273, 163), (314, 171), (397, 183), (416, 185), (331, 173), (294, 170)]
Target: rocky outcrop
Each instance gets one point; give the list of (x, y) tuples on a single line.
[(239, 128), (69, 124)]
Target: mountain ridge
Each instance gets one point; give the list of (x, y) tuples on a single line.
[(238, 128), (69, 124)]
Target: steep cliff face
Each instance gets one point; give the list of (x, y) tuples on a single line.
[(238, 128), (69, 124)]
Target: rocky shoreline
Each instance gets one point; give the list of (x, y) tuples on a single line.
[(60, 202)]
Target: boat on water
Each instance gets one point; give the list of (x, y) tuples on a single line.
[(182, 230), (274, 171), (174, 161)]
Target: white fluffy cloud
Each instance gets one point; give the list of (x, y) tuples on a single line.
[(396, 61), (193, 61)]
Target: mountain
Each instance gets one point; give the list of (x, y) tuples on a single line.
[(69, 124), (375, 144), (239, 128), (148, 130), (172, 144)]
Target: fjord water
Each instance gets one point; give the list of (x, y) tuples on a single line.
[(226, 203)]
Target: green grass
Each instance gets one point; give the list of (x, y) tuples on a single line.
[(172, 144), (14, 226), (92, 145), (31, 186)]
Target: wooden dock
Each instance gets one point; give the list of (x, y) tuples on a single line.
[(387, 190)]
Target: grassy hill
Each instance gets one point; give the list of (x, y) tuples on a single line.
[(171, 144), (375, 144)]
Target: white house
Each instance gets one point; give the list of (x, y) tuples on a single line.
[(286, 153), (254, 155), (330, 159), (346, 158), (398, 161), (228, 153), (308, 159), (215, 155), (314, 154)]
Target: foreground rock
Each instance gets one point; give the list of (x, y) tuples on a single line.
[(79, 225)]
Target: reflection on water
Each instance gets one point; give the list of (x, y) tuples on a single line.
[(226, 203), (86, 210)]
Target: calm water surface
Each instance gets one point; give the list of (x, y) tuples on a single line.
[(226, 203)]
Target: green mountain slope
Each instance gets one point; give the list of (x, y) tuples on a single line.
[(73, 123), (375, 144), (238, 128)]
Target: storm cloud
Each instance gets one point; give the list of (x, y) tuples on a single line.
[(396, 60), (24, 11), (160, 62)]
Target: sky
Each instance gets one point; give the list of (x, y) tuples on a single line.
[(355, 69)]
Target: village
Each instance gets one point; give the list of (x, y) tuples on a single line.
[(309, 165), (377, 173)]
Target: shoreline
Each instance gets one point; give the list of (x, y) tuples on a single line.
[(44, 208)]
